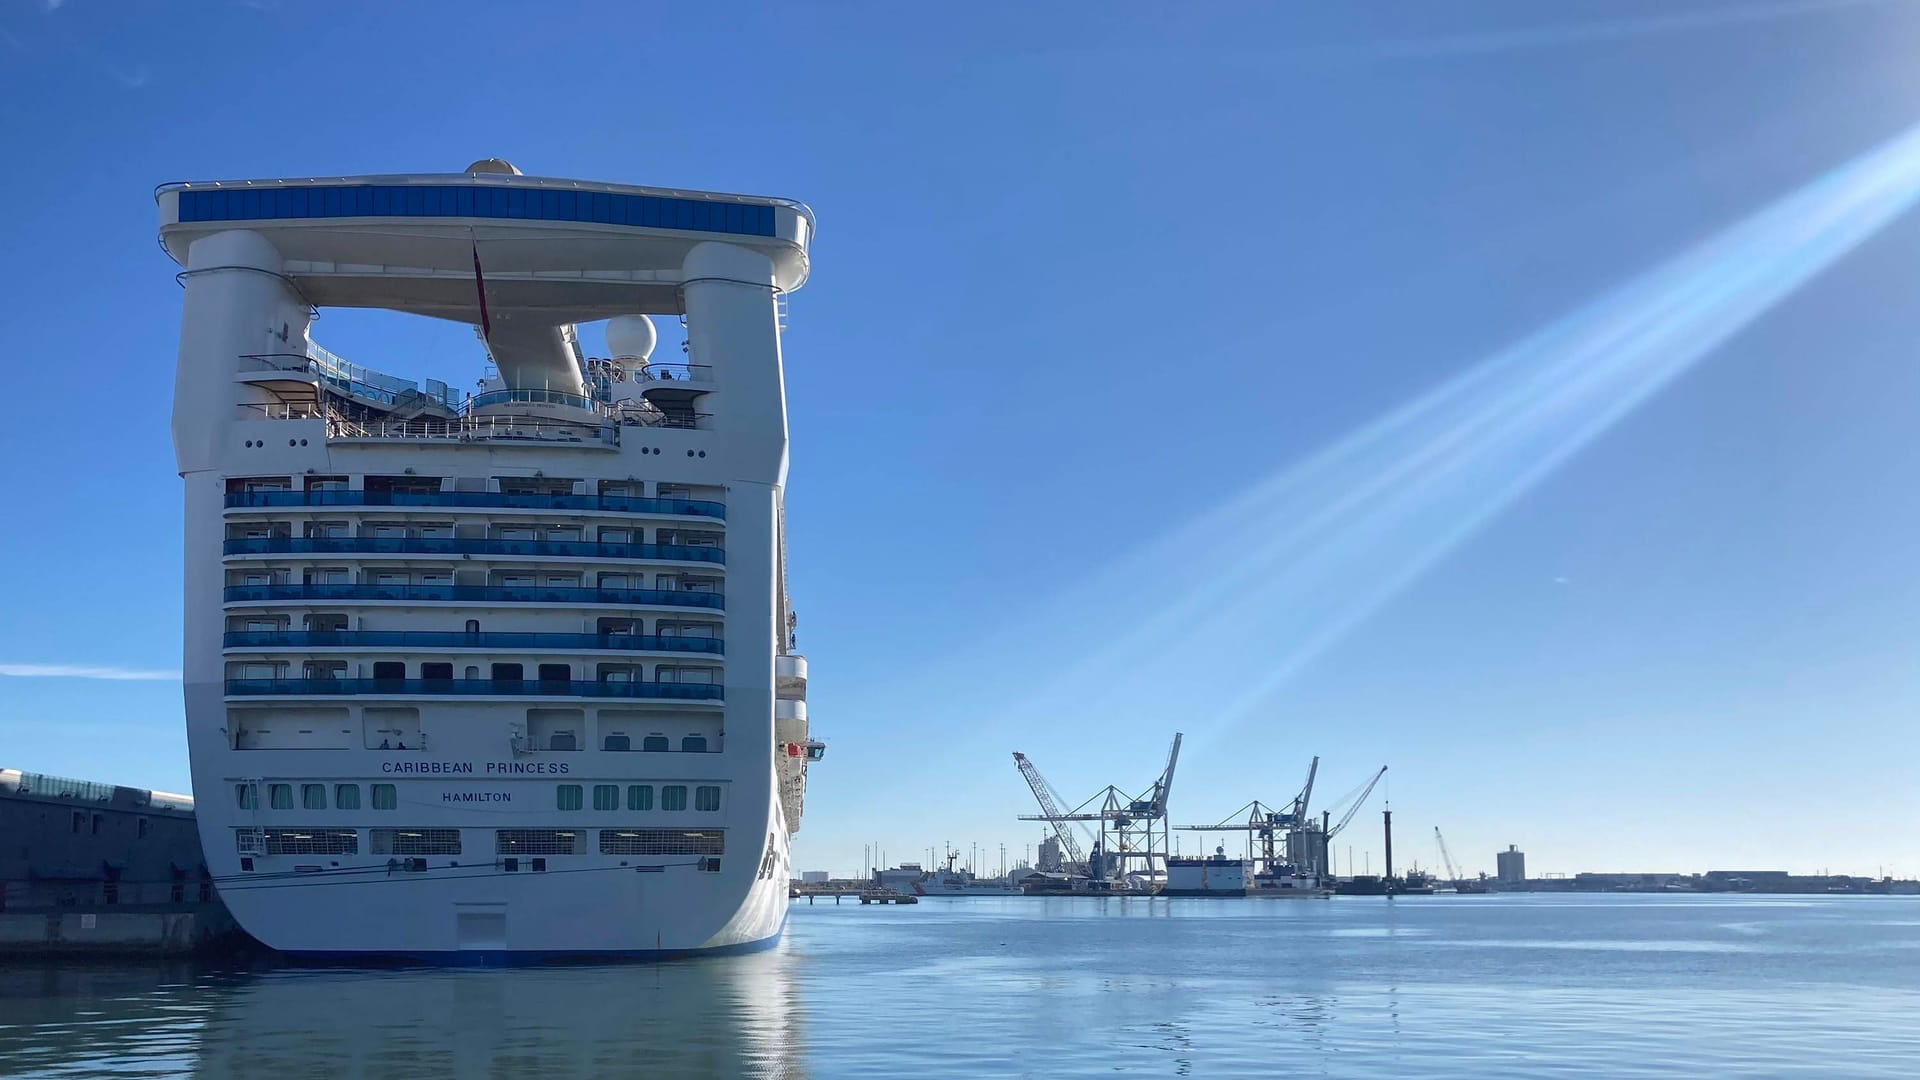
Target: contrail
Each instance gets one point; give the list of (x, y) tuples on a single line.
[(1299, 560), (1498, 41), (86, 671)]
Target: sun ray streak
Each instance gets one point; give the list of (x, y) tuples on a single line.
[(1301, 559)]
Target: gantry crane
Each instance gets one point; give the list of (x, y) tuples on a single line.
[(1132, 827)]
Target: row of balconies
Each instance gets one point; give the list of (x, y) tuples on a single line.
[(303, 639), (473, 594), (409, 545), (555, 688), (617, 504)]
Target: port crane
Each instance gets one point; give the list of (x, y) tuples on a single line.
[(1049, 802), (1358, 801), (1446, 857), (1323, 843), (1264, 824), (1461, 883), (1132, 827)]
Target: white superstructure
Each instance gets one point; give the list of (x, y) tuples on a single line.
[(505, 674)]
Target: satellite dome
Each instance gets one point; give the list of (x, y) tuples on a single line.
[(492, 165), (631, 337)]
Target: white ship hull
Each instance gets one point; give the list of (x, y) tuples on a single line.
[(506, 678)]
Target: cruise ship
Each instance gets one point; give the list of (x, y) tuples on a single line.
[(504, 674)]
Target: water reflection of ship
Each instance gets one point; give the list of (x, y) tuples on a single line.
[(708, 1017)]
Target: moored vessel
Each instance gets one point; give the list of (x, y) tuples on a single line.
[(500, 675)]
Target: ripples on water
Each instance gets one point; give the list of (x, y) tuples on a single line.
[(1469, 986)]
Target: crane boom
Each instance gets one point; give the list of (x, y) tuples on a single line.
[(1163, 788), (1453, 872), (1306, 791), (1050, 806), (1359, 801)]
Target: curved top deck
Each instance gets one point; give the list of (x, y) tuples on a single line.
[(555, 250)]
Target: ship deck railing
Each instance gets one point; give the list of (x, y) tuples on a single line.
[(513, 500), (311, 639), (484, 594), (476, 688), (423, 545)]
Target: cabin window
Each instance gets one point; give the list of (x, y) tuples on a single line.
[(436, 671), (567, 797), (508, 673), (346, 796), (639, 796), (383, 797), (693, 744), (706, 797), (280, 796), (555, 673), (389, 669), (654, 744), (244, 796), (313, 796), (617, 742), (606, 797), (673, 797)]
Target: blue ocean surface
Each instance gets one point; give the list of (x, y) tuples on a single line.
[(1436, 987)]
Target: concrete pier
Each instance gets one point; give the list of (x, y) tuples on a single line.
[(174, 930)]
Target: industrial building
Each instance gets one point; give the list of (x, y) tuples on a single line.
[(1512, 869)]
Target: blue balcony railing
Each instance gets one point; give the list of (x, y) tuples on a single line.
[(477, 687), (620, 504), (533, 397), (479, 594), (417, 545), (305, 639)]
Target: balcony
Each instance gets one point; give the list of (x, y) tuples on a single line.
[(618, 504), (309, 639), (414, 545), (474, 688), (478, 594)]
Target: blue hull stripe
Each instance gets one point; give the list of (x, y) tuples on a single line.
[(522, 957)]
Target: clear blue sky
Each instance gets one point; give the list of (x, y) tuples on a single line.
[(1094, 293)]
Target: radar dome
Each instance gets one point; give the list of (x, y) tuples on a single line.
[(631, 337), (492, 165)]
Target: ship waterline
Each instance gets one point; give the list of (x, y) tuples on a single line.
[(498, 676)]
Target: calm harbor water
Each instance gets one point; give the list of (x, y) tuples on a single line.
[(1446, 986)]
